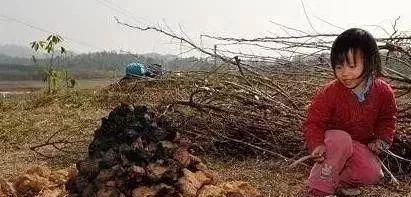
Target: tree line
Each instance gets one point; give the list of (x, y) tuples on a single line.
[(95, 65)]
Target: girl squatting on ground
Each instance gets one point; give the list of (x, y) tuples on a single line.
[(350, 119)]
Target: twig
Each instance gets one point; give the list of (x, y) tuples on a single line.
[(395, 180), (54, 144), (300, 161), (256, 147)]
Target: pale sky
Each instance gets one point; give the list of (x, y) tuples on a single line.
[(89, 25)]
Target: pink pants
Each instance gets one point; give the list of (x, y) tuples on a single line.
[(347, 163)]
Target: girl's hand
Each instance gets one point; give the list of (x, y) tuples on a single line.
[(376, 146), (318, 153)]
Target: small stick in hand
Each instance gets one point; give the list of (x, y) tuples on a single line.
[(299, 161)]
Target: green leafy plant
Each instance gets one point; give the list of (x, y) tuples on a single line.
[(51, 46)]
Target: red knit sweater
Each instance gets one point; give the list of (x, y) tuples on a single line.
[(336, 107)]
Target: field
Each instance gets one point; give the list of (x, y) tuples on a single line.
[(29, 120), (13, 86)]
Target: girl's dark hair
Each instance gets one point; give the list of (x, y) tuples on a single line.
[(357, 40)]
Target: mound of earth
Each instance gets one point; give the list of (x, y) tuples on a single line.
[(132, 156)]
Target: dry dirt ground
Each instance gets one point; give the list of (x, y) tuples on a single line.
[(29, 120)]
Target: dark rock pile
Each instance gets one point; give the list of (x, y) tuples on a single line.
[(131, 156)]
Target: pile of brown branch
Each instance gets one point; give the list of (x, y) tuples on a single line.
[(245, 112)]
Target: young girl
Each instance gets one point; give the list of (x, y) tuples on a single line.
[(350, 119)]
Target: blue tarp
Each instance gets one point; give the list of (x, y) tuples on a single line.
[(135, 69)]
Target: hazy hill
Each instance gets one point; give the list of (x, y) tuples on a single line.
[(16, 51)]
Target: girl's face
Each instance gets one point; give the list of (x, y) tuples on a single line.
[(350, 73)]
